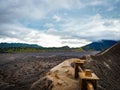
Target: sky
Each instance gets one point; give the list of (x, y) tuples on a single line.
[(56, 23)]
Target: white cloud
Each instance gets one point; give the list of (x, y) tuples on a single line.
[(75, 42), (26, 35), (74, 33), (111, 8), (71, 31), (63, 4), (49, 25), (37, 9), (91, 29), (57, 18)]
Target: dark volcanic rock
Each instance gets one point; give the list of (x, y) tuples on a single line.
[(107, 67), (18, 71), (19, 75)]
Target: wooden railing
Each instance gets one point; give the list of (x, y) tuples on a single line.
[(87, 79)]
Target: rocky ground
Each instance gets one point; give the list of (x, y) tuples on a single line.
[(21, 71), (18, 71), (107, 67)]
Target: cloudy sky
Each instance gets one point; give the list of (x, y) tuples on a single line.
[(55, 23)]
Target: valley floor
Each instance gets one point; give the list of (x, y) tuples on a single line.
[(19, 70)]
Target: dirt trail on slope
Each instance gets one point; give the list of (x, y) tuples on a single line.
[(61, 77)]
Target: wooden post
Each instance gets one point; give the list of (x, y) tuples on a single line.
[(78, 63), (87, 77)]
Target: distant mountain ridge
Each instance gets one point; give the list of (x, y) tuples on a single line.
[(100, 45), (10, 45), (23, 47)]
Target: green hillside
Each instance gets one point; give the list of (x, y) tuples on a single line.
[(22, 47)]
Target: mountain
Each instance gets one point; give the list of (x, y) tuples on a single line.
[(100, 45), (23, 47), (15, 45), (18, 47)]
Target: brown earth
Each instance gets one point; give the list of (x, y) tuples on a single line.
[(61, 77)]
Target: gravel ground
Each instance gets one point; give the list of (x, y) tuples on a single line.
[(107, 67), (19, 70)]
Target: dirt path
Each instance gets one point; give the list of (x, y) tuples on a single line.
[(62, 76)]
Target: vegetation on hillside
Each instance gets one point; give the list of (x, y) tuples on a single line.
[(20, 47)]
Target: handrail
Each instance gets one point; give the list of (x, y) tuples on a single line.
[(88, 80), (80, 69)]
